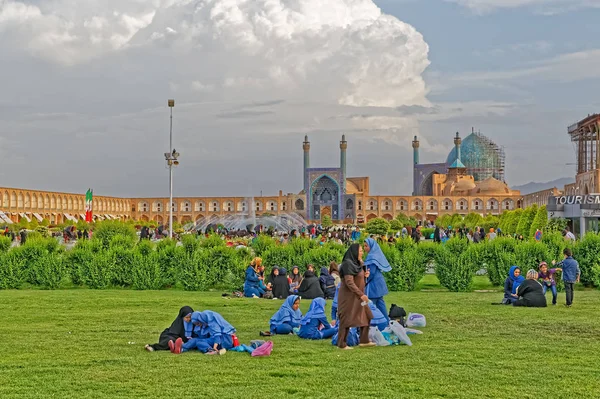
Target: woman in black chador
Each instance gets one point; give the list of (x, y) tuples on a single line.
[(182, 328)]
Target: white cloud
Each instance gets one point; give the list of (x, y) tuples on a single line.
[(540, 6)]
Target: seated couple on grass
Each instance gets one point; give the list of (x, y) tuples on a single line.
[(520, 291), (206, 331)]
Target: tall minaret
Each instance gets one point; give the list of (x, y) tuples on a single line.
[(415, 145), (306, 148), (343, 148), (457, 164)]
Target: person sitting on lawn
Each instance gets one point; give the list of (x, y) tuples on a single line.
[(286, 318), (531, 292), (327, 283), (295, 280), (251, 285), (216, 335), (280, 284), (180, 328), (310, 288), (511, 284), (314, 325), (378, 320)]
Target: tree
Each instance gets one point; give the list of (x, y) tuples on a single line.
[(513, 222), (396, 225), (443, 221), (378, 226), (326, 221), (540, 221), (406, 221), (526, 220), (473, 220)]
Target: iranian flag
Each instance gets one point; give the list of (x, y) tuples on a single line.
[(88, 205)]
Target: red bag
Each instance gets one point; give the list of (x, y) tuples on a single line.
[(263, 350), (236, 341)]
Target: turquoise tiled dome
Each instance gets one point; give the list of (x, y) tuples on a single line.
[(482, 157)]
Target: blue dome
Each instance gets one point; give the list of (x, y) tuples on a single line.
[(481, 156)]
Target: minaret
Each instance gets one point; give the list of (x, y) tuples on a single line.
[(306, 148), (415, 145), (343, 147), (457, 163)]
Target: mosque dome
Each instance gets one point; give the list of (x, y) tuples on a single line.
[(464, 185), (491, 186), (481, 156)]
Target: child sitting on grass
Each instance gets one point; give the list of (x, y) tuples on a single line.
[(547, 279)]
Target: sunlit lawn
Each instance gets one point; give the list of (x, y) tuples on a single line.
[(89, 344)]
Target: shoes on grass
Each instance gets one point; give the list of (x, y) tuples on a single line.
[(178, 345), (265, 334), (212, 352), (345, 348), (222, 351), (172, 346), (369, 345), (149, 348)]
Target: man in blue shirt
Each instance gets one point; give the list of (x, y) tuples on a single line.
[(355, 234), (570, 274)]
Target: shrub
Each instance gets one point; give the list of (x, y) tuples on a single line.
[(282, 256), (144, 248), (122, 241), (408, 268), (147, 272), (12, 270), (48, 271), (319, 257), (223, 263), (193, 271), (5, 244), (499, 256), (190, 243), (454, 272), (302, 247), (540, 221), (99, 271), (586, 253), (106, 230), (530, 254), (526, 220), (122, 260), (212, 241), (262, 244)]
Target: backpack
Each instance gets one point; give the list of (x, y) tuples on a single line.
[(397, 313)]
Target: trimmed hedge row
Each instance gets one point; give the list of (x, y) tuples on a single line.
[(117, 259)]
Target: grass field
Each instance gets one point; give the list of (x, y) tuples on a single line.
[(89, 344)]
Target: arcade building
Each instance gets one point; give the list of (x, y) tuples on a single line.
[(471, 180)]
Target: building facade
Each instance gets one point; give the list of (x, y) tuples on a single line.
[(327, 192)]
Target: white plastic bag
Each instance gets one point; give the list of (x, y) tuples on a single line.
[(376, 336), (411, 331), (416, 320), (400, 332)]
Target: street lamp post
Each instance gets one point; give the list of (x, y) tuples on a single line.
[(171, 158)]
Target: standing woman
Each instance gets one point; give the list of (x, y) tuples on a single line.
[(351, 297), (376, 264)]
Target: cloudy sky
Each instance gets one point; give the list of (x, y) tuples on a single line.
[(85, 85)]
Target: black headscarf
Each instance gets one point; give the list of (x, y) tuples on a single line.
[(272, 275), (177, 328), (351, 266)]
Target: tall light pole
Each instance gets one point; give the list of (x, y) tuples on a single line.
[(171, 158)]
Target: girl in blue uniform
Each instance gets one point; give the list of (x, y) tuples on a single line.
[(252, 283), (216, 335), (377, 264), (287, 317), (314, 325), (378, 320)]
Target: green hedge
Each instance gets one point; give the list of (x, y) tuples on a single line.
[(117, 259)]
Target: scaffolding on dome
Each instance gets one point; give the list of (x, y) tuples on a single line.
[(491, 159)]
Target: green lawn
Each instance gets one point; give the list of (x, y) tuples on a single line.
[(89, 344)]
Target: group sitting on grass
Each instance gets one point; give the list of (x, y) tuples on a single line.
[(530, 291)]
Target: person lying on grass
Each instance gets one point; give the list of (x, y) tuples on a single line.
[(181, 328), (314, 325), (286, 318), (216, 335)]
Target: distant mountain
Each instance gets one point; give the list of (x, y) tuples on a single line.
[(534, 186)]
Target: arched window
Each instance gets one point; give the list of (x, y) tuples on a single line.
[(229, 206), (299, 205), (214, 206), (157, 206), (360, 205), (200, 207), (417, 205), (349, 204), (272, 206), (402, 205), (241, 206), (284, 206), (387, 205), (143, 206), (447, 205), (174, 206), (187, 206), (258, 206), (477, 204), (432, 205)]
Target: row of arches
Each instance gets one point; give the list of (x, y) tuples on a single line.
[(432, 204), (18, 200), (217, 206)]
